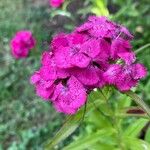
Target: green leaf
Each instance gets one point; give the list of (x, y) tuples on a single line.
[(136, 144), (100, 112), (135, 128), (124, 101), (101, 146), (84, 143), (147, 136), (67, 129), (100, 8)]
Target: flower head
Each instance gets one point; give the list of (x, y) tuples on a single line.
[(22, 43), (96, 54)]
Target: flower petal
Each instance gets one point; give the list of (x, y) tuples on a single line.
[(60, 40), (91, 48), (35, 78), (138, 71), (48, 73), (63, 58), (80, 60), (128, 57), (111, 75), (87, 76), (71, 97)]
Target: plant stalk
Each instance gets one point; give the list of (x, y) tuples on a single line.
[(139, 101), (142, 48)]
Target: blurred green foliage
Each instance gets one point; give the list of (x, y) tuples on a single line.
[(26, 122)]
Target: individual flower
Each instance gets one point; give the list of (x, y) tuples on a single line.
[(96, 54), (22, 43), (90, 77), (70, 97), (124, 77), (69, 54), (102, 27), (56, 3), (121, 48)]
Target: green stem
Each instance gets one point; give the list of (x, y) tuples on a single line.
[(139, 101), (131, 115), (141, 48), (65, 4)]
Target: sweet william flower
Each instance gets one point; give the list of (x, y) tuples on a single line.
[(102, 27), (22, 43), (70, 97), (56, 3), (48, 61), (121, 48), (69, 53), (68, 57), (125, 77), (96, 54), (98, 27)]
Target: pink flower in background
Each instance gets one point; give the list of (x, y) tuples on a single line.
[(96, 54), (56, 3), (22, 43)]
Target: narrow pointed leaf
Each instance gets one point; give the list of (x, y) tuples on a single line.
[(135, 128), (87, 141)]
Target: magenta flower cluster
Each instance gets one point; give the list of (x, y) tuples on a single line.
[(56, 3), (96, 54), (22, 43)]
